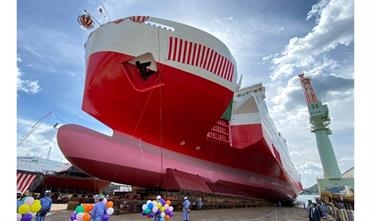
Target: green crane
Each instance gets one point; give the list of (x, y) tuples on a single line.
[(320, 120)]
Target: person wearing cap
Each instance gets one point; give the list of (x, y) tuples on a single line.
[(186, 209), (99, 208), (46, 203)]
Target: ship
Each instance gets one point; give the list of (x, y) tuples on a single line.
[(180, 120), (36, 174)]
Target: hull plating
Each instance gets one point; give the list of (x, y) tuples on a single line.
[(125, 159)]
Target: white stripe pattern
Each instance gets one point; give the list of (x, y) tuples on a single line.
[(195, 54), (139, 18), (24, 181)]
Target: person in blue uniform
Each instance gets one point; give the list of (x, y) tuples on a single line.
[(157, 216), (46, 203), (99, 208), (186, 209)]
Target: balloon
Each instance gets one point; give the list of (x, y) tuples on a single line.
[(29, 200), (105, 200), (144, 207), (155, 209), (85, 207), (79, 215), (86, 217), (167, 217), (109, 204), (37, 201), (105, 217), (27, 217), (170, 208), (147, 210), (19, 217), (110, 211), (79, 209), (35, 207), (90, 207), (150, 205), (165, 206), (162, 214), (168, 202), (24, 208), (19, 203), (73, 216)]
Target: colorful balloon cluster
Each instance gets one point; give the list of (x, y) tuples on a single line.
[(27, 208), (160, 208), (82, 212)]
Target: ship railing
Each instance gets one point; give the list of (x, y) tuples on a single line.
[(220, 132)]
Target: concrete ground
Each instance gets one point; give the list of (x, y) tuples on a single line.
[(59, 213)]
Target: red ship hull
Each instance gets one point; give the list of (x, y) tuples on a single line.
[(125, 159), (155, 113), (166, 96)]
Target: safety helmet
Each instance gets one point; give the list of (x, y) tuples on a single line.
[(47, 193)]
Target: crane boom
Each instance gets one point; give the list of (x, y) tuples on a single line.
[(308, 90), (33, 128)]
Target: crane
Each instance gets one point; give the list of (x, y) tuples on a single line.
[(320, 120), (33, 128)]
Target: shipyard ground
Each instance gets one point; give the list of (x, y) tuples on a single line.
[(60, 213)]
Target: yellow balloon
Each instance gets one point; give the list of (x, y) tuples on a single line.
[(36, 201), (162, 209), (35, 207), (24, 208)]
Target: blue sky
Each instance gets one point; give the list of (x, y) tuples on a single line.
[(272, 42)]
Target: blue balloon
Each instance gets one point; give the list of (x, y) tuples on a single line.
[(26, 217), (19, 203), (150, 205), (105, 217), (73, 216)]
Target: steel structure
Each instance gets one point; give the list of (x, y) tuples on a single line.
[(320, 120)]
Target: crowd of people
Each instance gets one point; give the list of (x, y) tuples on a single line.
[(338, 209)]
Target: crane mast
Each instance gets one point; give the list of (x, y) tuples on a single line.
[(33, 128), (320, 120)]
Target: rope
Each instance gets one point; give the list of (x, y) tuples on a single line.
[(160, 105), (142, 112)]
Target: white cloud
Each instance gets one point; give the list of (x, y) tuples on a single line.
[(335, 27), (310, 168), (27, 86), (36, 138), (316, 10)]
